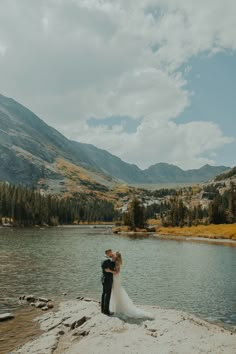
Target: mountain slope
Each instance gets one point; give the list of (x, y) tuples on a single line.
[(166, 173), (230, 174), (111, 164), (32, 152), (158, 173)]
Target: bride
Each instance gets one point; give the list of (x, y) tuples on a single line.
[(120, 302)]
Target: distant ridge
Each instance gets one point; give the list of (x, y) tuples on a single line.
[(167, 173), (31, 151)]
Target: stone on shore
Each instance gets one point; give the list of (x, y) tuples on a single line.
[(79, 327), (43, 299), (41, 302), (6, 316)]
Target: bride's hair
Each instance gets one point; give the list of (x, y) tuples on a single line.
[(118, 258)]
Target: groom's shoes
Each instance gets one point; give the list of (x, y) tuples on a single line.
[(108, 313)]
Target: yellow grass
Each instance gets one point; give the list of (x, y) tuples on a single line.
[(224, 231), (154, 222), (71, 171), (121, 188)]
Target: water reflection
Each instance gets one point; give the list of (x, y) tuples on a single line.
[(194, 277)]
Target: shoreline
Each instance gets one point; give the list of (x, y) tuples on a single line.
[(170, 237), (36, 226), (77, 326), (217, 234), (212, 231), (202, 239)]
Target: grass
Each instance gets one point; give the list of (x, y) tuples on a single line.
[(222, 231)]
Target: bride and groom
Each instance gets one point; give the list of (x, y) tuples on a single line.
[(114, 297)]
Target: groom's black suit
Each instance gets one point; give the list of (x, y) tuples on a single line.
[(107, 280)]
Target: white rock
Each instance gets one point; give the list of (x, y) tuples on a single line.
[(43, 299), (44, 308), (29, 297), (6, 316), (169, 332), (39, 304)]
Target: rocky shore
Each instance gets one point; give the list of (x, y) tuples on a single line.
[(79, 327)]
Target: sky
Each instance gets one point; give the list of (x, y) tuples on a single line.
[(148, 80)]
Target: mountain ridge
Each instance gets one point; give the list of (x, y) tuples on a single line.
[(30, 150)]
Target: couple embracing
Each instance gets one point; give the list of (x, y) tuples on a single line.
[(114, 297)]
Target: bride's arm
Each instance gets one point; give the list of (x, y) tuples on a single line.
[(114, 272), (107, 270)]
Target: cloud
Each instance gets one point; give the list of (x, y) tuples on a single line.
[(188, 145), (71, 60)]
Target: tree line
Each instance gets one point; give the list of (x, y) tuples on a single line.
[(27, 207), (176, 210), (221, 209)]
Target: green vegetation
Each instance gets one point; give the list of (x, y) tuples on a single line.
[(135, 216), (221, 210), (27, 207), (184, 208)]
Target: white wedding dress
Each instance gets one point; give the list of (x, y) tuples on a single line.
[(121, 304)]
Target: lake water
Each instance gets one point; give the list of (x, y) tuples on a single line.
[(198, 278), (157, 186)]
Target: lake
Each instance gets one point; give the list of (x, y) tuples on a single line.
[(157, 186), (198, 278)]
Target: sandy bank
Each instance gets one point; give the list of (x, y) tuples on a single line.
[(79, 327)]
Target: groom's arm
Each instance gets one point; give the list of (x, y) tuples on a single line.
[(106, 265), (111, 268)]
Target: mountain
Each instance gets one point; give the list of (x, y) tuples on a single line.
[(111, 164), (229, 174), (33, 153), (167, 173), (158, 173)]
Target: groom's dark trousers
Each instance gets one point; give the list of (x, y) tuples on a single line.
[(107, 280)]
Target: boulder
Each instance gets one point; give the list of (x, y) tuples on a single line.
[(6, 316), (29, 298), (43, 299), (50, 305), (44, 308), (39, 304)]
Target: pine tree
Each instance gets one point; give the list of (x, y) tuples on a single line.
[(217, 213), (135, 217), (232, 203)]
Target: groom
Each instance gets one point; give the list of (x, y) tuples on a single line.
[(108, 266)]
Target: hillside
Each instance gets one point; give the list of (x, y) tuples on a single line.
[(158, 173), (229, 174), (34, 153), (111, 164)]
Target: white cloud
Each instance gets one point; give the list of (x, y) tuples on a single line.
[(70, 60), (3, 49), (158, 141)]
